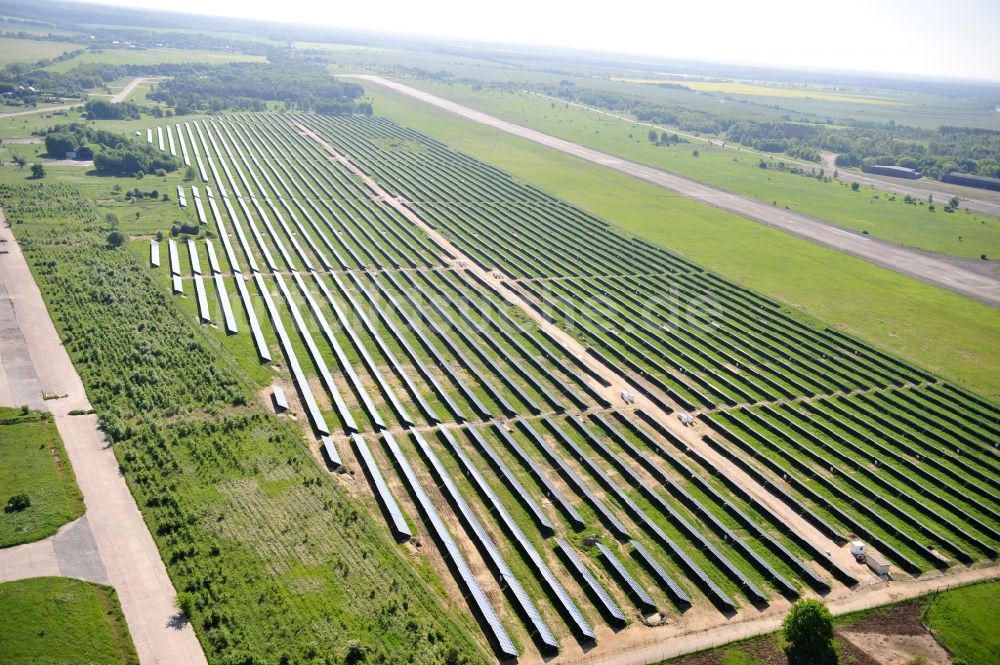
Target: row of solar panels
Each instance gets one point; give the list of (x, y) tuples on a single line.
[(704, 514), (803, 488), (767, 417), (972, 479), (480, 604), (886, 463), (682, 495), (710, 588)]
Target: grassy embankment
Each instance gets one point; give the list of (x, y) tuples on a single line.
[(946, 333), (65, 621)]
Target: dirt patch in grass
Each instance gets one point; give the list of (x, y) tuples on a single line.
[(901, 619)]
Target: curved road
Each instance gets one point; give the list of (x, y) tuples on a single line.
[(939, 271)]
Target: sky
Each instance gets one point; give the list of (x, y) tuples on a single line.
[(955, 39)]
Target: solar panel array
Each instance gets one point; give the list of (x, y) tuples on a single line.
[(414, 340)]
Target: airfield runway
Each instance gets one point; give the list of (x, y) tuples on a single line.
[(956, 275)]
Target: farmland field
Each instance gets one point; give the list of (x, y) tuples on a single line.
[(151, 56), (31, 50), (38, 468), (763, 90)]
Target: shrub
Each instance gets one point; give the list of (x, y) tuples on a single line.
[(808, 628), (17, 503), (116, 239)]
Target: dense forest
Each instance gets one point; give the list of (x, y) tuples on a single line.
[(935, 152), (245, 86), (248, 85)]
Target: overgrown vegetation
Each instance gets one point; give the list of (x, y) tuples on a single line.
[(274, 562), (37, 485)]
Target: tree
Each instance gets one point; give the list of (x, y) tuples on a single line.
[(161, 173), (808, 629), (653, 136), (20, 161), (189, 174), (116, 239), (855, 186), (37, 171), (694, 153), (953, 203), (112, 221), (57, 144), (17, 503)]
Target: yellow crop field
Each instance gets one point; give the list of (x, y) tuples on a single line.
[(760, 90)]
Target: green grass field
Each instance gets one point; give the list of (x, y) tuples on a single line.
[(64, 621), (965, 622), (153, 56), (31, 50), (951, 335), (35, 465), (961, 234)]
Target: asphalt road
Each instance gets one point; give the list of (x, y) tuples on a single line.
[(948, 273), (920, 190)]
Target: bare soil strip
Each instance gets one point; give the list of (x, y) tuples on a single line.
[(951, 274)]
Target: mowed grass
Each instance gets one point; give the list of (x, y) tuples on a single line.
[(153, 56), (965, 622), (941, 331), (31, 50), (962, 234), (64, 621), (35, 464)]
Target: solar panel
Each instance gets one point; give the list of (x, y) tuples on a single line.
[(638, 594), (564, 602), (605, 603), (486, 545), (480, 603), (400, 528)]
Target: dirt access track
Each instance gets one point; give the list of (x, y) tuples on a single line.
[(953, 274)]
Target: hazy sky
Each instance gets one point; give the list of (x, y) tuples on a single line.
[(958, 38)]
